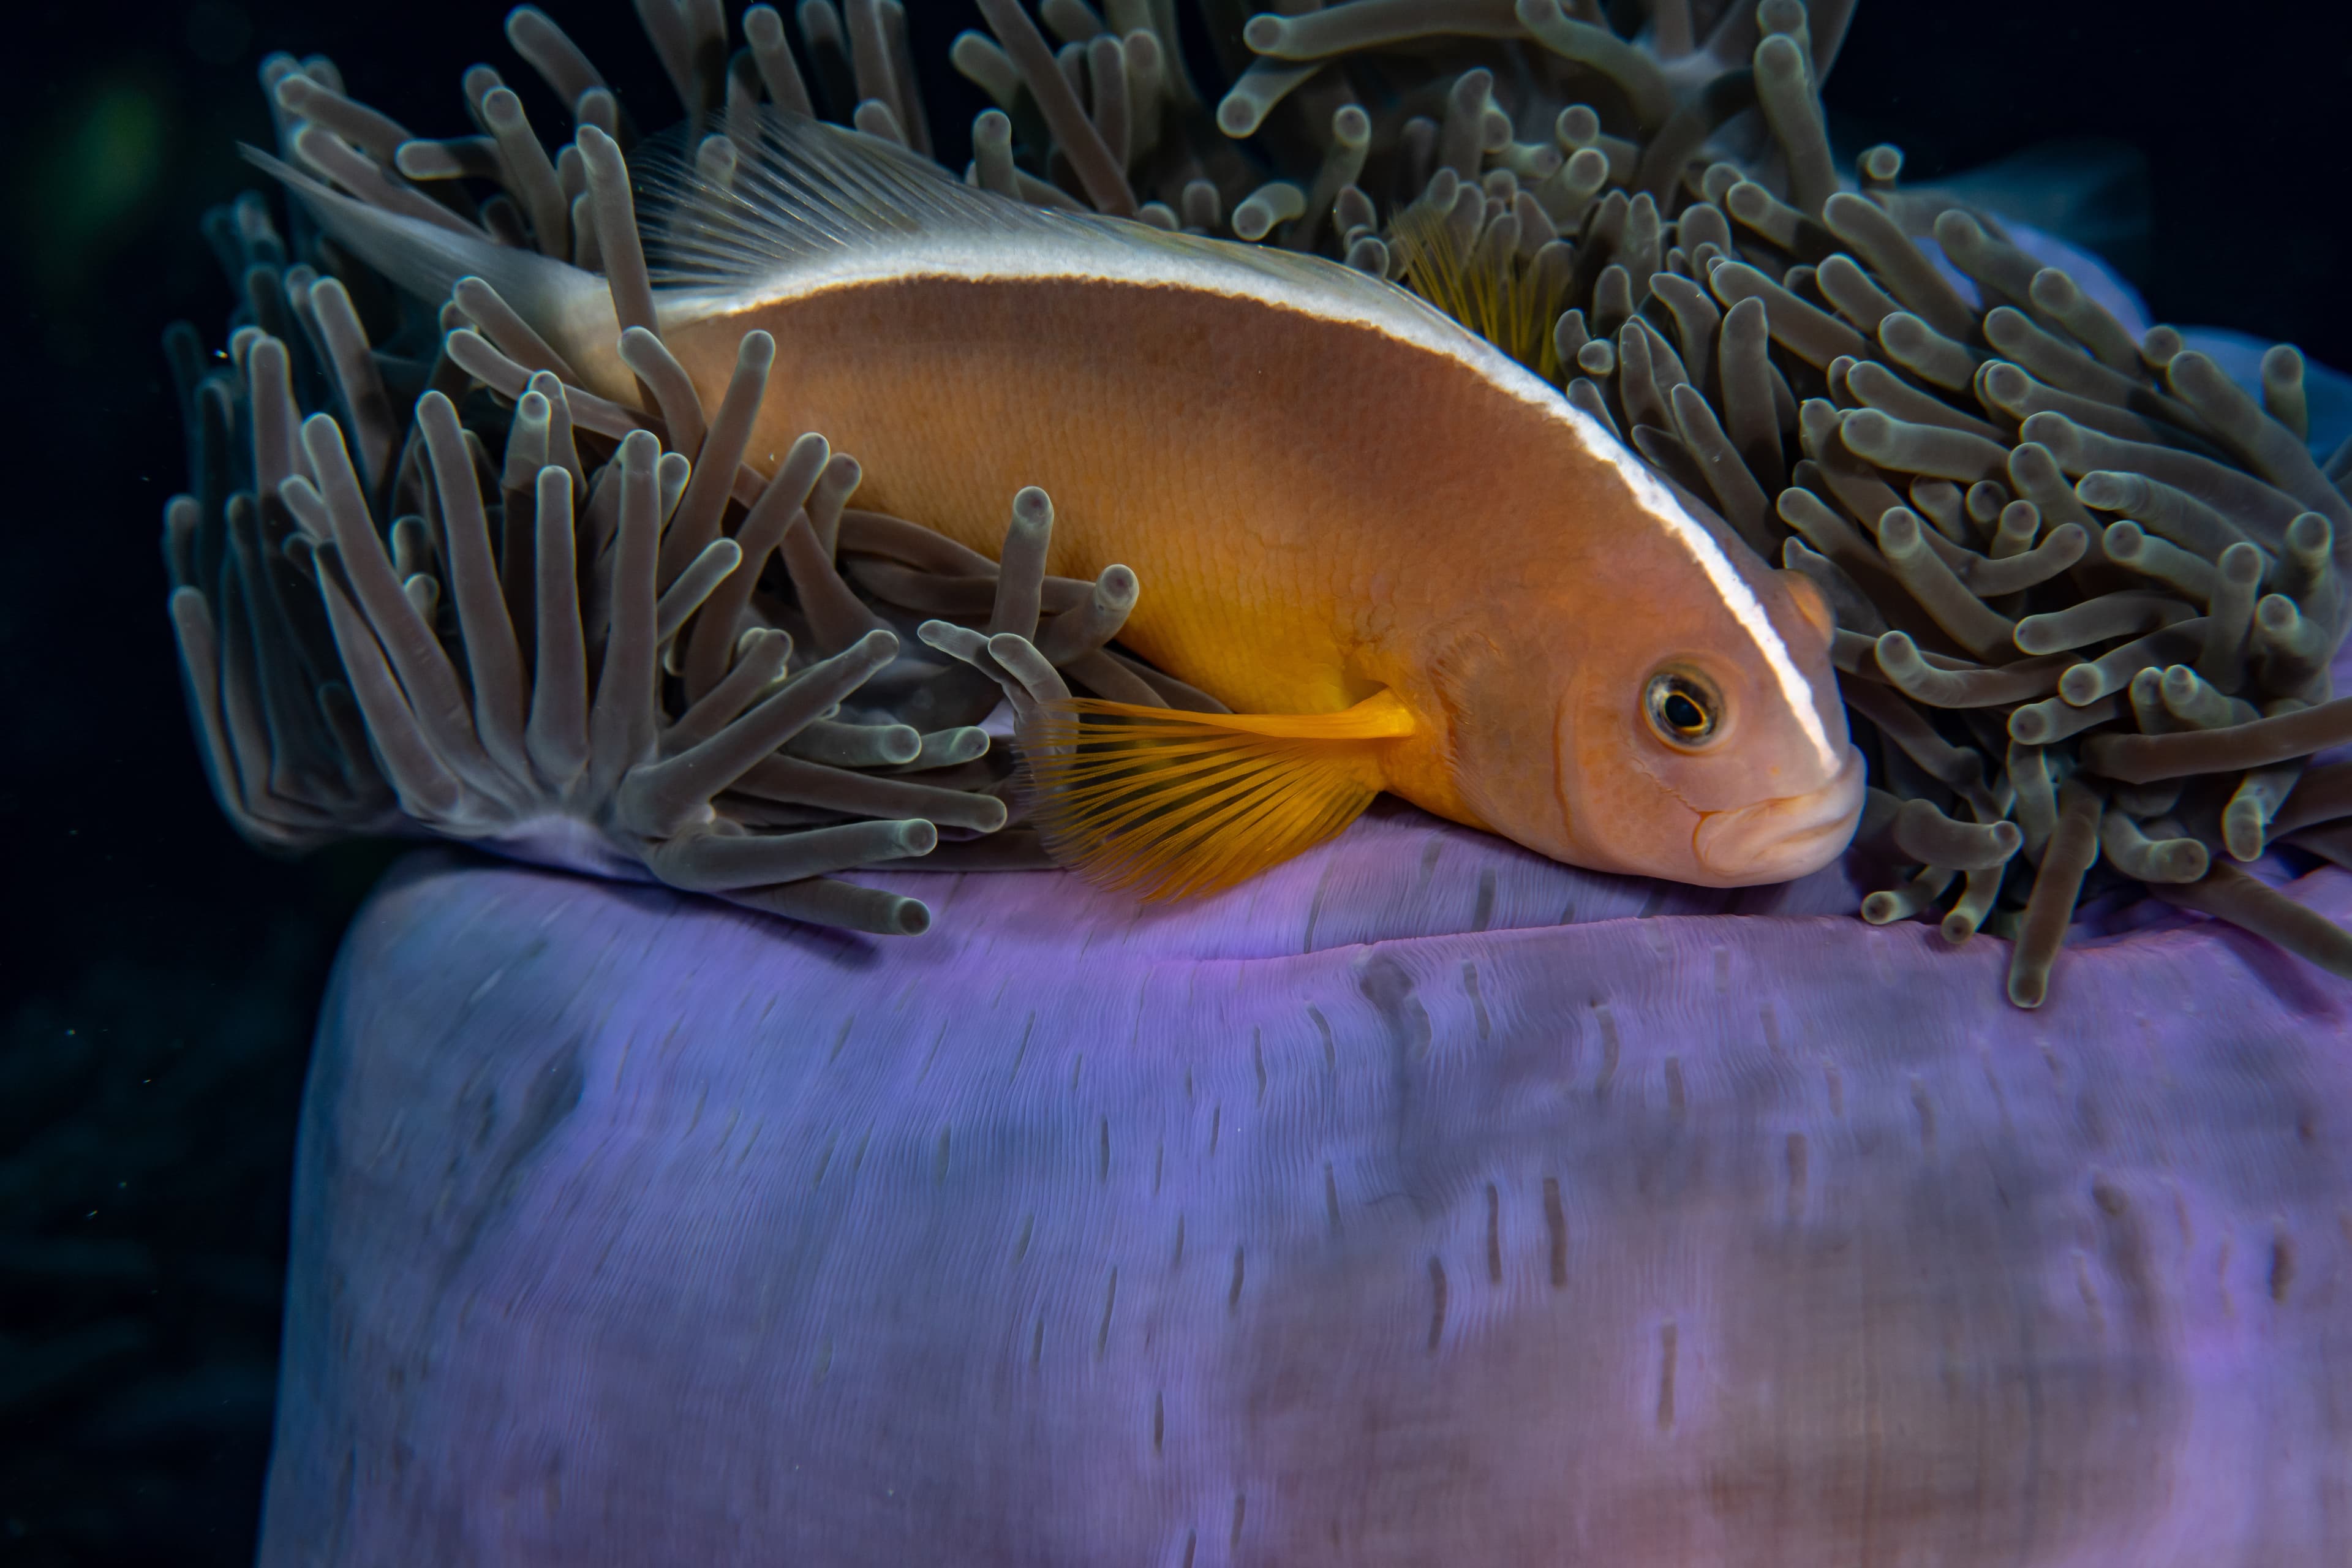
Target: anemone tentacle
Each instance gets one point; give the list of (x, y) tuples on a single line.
[(2034, 522)]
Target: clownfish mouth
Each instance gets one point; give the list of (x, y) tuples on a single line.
[(1781, 839)]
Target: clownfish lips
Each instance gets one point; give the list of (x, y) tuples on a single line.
[(1780, 840)]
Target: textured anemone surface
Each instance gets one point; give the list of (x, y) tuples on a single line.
[(1420, 1201)]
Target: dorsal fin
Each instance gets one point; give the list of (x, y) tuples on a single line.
[(1171, 804), (805, 197), (801, 191)]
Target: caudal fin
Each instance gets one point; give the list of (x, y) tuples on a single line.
[(568, 307)]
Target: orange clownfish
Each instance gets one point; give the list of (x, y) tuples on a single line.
[(1407, 563)]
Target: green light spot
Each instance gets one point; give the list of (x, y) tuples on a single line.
[(101, 161)]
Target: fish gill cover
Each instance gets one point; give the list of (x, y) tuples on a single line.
[(2087, 590)]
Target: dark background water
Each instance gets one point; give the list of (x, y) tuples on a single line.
[(157, 977)]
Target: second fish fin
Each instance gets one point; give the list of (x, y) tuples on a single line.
[(570, 307), (1513, 310), (1171, 804)]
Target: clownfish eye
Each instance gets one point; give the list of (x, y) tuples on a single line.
[(1684, 710)]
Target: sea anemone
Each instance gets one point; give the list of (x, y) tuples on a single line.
[(1421, 1197), (2087, 589)]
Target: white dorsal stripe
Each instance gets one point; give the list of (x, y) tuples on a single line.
[(1092, 250)]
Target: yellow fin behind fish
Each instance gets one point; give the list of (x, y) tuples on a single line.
[(1171, 804), (1509, 299)]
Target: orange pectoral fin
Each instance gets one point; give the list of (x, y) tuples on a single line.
[(1171, 804), (1810, 603)]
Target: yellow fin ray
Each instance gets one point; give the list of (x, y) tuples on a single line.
[(1508, 298), (1171, 804)]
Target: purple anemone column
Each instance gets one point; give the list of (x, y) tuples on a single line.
[(1423, 1201)]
